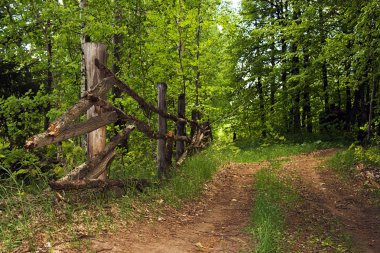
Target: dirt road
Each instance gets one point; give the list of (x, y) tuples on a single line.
[(216, 222)]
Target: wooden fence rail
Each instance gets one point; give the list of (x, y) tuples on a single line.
[(101, 113)]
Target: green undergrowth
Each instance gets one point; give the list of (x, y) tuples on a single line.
[(32, 217), (357, 160), (272, 197), (346, 160)]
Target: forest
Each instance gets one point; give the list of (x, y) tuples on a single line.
[(267, 77)]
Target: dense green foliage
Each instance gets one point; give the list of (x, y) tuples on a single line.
[(181, 43), (281, 67), (307, 66)]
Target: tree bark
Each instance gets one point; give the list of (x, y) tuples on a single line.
[(162, 163), (96, 140), (49, 78), (181, 127), (261, 106), (325, 87), (91, 165), (80, 107), (91, 124), (125, 88)]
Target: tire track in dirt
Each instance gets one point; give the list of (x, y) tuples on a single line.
[(336, 207), (215, 223)]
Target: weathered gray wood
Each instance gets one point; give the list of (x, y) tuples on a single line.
[(92, 124), (84, 169), (162, 162), (125, 88), (96, 140), (80, 107), (181, 126), (124, 117), (102, 167)]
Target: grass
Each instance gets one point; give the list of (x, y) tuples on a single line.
[(30, 216), (268, 214), (343, 162)]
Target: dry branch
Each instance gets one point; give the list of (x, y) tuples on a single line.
[(92, 124), (140, 125), (80, 107), (102, 166), (84, 169), (196, 144), (125, 88), (98, 183)]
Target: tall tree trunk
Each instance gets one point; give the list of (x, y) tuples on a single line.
[(181, 46), (49, 78), (198, 39), (284, 86), (83, 39), (261, 105), (295, 110), (117, 40), (371, 106), (307, 109), (325, 87), (348, 108)]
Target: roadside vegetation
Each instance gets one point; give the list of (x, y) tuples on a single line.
[(33, 216)]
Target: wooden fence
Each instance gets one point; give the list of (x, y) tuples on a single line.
[(93, 173)]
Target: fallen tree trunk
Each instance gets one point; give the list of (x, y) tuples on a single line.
[(140, 184), (92, 124), (84, 169)]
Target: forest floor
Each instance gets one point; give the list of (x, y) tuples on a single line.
[(331, 214)]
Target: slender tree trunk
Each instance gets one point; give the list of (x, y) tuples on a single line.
[(162, 130), (296, 96), (348, 108), (307, 109), (84, 39), (198, 39), (181, 46), (370, 114), (261, 105), (325, 87), (181, 127), (49, 78), (284, 86)]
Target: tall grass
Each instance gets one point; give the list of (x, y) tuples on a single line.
[(268, 213)]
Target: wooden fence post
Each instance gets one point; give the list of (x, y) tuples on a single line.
[(96, 140), (181, 126), (162, 162), (195, 116)]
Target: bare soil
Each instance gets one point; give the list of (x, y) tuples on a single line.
[(215, 223), (328, 209), (334, 214)]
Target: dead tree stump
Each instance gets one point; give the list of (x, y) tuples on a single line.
[(96, 140)]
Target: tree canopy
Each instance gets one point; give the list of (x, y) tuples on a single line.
[(274, 68)]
